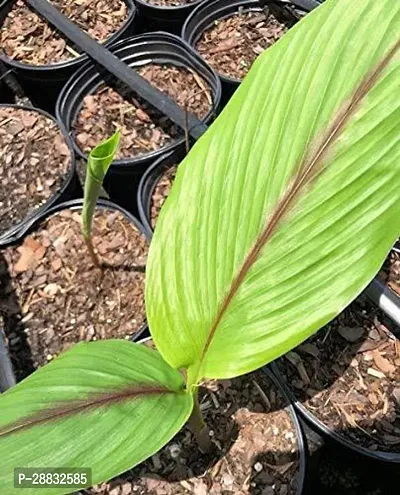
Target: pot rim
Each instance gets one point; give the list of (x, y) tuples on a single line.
[(75, 204), (320, 427)]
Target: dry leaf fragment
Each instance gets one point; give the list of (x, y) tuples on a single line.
[(382, 363), (25, 261)]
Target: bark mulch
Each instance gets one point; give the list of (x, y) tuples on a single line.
[(348, 376), (57, 297), (28, 38), (160, 193), (231, 45), (34, 162), (143, 128)]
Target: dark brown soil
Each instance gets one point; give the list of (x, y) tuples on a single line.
[(160, 193), (170, 3), (254, 442), (62, 298), (390, 272), (348, 376), (232, 45), (34, 162), (143, 128), (28, 38)]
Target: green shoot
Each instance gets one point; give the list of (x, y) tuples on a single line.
[(99, 161)]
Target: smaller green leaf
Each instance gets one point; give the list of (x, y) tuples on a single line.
[(105, 405), (99, 161)]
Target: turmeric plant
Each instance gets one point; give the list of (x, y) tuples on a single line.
[(278, 218)]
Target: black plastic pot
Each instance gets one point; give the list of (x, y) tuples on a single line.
[(70, 189), (124, 175), (328, 433), (76, 204), (162, 18), (299, 431), (209, 11), (43, 83), (149, 183)]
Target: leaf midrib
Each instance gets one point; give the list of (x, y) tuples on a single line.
[(75, 407), (308, 170)]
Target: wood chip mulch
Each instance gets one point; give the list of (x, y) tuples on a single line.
[(56, 297), (232, 45), (348, 376), (28, 38), (160, 193), (34, 163), (254, 441), (143, 128)]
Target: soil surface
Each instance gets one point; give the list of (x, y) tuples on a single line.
[(255, 448), (56, 296), (348, 376), (160, 193), (28, 38), (170, 3), (34, 163), (390, 272), (143, 128), (231, 45)]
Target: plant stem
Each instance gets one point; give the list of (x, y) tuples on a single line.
[(198, 426), (92, 253)]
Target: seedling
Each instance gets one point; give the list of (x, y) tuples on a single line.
[(278, 218), (98, 163)]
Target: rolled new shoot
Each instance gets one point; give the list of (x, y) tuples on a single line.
[(99, 161)]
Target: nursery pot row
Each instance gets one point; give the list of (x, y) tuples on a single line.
[(42, 83), (161, 49)]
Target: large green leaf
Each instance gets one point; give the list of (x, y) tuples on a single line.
[(327, 242), (103, 405)]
